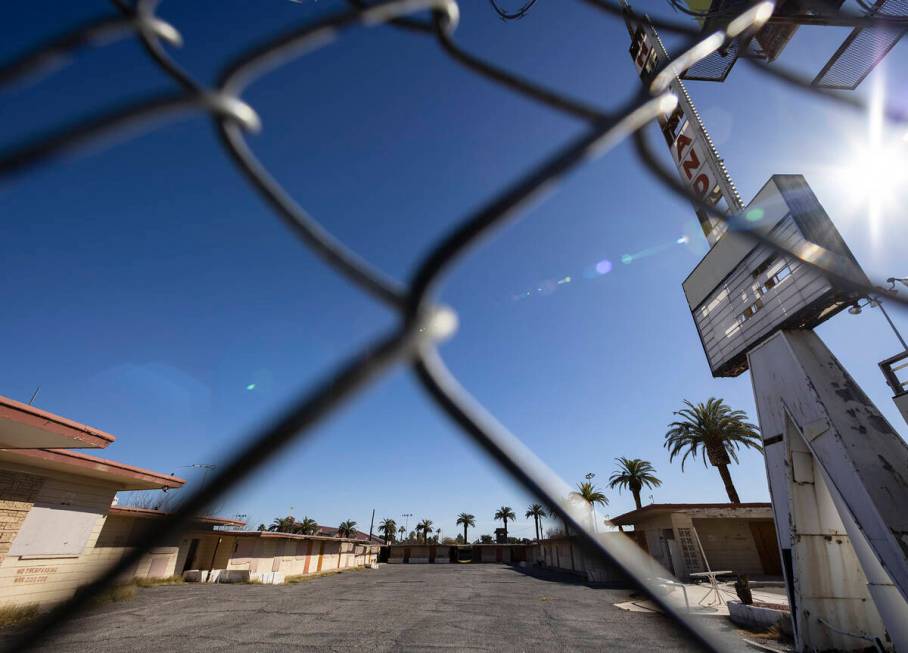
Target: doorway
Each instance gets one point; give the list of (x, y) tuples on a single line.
[(190, 555)]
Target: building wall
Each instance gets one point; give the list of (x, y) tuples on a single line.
[(119, 534), (290, 557), (563, 554), (671, 538), (729, 544), (47, 578)]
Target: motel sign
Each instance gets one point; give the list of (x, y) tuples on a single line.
[(692, 149)]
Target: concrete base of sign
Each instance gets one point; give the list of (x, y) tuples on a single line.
[(754, 616)]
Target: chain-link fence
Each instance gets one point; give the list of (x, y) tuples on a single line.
[(422, 323)]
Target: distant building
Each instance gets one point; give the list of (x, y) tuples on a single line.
[(331, 531), (735, 537), (269, 557)]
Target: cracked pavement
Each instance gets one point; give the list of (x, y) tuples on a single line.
[(394, 608)]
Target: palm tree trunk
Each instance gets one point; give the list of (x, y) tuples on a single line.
[(505, 528), (465, 541), (729, 486), (637, 499)]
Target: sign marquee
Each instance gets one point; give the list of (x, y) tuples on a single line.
[(743, 292)]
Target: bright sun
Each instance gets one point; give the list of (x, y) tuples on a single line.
[(875, 173), (879, 170)]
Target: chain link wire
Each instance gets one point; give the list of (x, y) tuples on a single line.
[(423, 324)]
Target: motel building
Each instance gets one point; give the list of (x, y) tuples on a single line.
[(232, 556), (740, 538), (58, 527), (55, 505)]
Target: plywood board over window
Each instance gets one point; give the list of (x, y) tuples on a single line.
[(52, 531)]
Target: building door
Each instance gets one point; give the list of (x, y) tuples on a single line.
[(764, 534), (190, 555)]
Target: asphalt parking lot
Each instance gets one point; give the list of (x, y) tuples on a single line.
[(394, 608)]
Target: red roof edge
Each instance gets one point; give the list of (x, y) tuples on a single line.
[(129, 511), (86, 461), (87, 436)]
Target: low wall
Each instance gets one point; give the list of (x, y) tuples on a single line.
[(564, 554)]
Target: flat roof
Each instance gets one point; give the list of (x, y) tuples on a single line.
[(657, 508), (26, 427), (148, 513), (293, 536), (82, 464)]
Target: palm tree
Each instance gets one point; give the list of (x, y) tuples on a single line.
[(537, 512), (719, 430), (466, 519), (504, 514), (262, 527), (306, 526), (282, 524), (590, 494), (346, 528), (634, 474), (387, 527), (426, 527), (402, 531)]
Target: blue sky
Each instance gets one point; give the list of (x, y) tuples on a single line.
[(148, 287)]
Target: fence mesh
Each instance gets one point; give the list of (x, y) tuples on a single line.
[(422, 323)]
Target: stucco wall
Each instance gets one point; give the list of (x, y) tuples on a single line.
[(729, 544), (48, 578), (293, 556)]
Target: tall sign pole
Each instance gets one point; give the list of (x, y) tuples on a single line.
[(835, 466)]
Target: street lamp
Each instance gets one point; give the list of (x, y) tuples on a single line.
[(874, 302)]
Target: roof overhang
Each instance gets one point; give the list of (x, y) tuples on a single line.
[(26, 427), (653, 509), (293, 536), (125, 476), (148, 513)]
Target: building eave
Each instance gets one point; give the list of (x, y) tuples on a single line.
[(148, 513), (630, 518), (25, 427), (125, 476)]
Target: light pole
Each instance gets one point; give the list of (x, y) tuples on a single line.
[(875, 302), (406, 517)]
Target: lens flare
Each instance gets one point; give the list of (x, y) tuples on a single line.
[(603, 267)]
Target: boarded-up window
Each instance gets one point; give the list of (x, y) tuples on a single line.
[(52, 531)]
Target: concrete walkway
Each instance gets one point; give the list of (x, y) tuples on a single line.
[(394, 608)]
